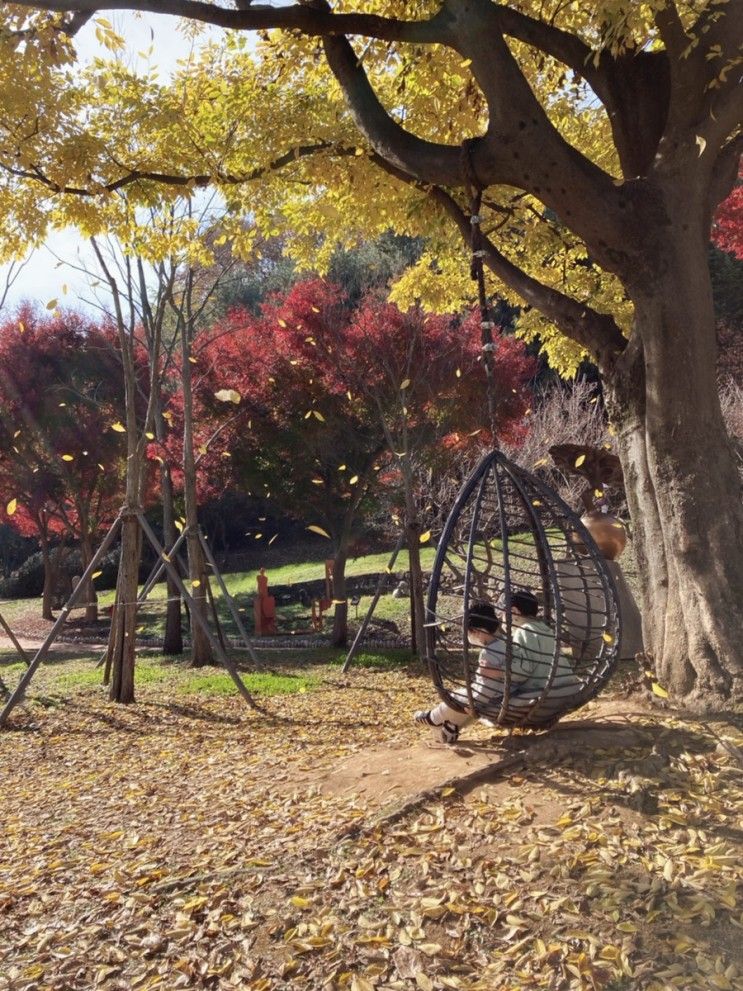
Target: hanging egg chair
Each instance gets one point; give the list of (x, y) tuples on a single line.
[(508, 535)]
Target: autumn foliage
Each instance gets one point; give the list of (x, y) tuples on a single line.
[(727, 232), (60, 406), (289, 403)]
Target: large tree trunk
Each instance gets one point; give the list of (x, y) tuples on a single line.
[(683, 487)]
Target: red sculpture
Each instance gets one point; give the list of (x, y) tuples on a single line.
[(264, 608)]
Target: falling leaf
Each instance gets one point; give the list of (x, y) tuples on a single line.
[(318, 415), (659, 691), (458, 373), (701, 144), (313, 528), (272, 539), (52, 304), (228, 396), (192, 359), (608, 638), (580, 460), (282, 323), (11, 507), (404, 384), (196, 583), (350, 397), (425, 537), (353, 480), (96, 574), (118, 427), (68, 457)]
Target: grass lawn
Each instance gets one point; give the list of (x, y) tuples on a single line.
[(291, 617)]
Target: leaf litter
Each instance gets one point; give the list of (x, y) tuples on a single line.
[(194, 845)]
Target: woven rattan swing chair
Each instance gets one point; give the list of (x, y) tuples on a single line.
[(508, 532)]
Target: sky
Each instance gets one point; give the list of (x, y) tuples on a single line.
[(43, 278)]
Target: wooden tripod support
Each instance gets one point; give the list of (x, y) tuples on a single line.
[(164, 563)]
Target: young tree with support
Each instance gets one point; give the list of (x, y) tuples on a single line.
[(597, 217)]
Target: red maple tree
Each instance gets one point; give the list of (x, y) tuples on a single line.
[(306, 404), (727, 231), (62, 460)]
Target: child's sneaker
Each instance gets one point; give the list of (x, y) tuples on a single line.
[(445, 732)]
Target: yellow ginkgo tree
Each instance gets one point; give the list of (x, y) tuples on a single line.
[(590, 142)]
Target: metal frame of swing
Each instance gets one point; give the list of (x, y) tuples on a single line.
[(16, 696)]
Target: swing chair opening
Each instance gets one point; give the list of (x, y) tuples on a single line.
[(516, 560)]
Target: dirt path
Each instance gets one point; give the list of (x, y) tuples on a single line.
[(58, 649)]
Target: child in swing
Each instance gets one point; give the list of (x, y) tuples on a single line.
[(482, 631), (532, 646)]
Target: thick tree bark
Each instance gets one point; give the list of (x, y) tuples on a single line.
[(683, 488)]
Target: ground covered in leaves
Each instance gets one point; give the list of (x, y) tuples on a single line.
[(187, 842)]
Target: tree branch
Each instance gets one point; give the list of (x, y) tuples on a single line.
[(671, 31), (199, 181), (309, 20), (597, 332)]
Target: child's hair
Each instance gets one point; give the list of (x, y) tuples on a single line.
[(525, 601), (482, 616)]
